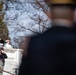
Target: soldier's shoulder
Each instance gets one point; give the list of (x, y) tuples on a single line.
[(41, 35)]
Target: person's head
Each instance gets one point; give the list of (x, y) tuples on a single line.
[(8, 41), (62, 9), (1, 49)]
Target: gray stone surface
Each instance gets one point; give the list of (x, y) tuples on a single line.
[(12, 61)]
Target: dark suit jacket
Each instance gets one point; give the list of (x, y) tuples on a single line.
[(51, 53)]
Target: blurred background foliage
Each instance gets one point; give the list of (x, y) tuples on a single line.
[(3, 26)]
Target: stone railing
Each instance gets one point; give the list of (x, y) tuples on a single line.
[(13, 60)]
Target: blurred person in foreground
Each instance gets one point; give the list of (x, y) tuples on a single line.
[(54, 51)]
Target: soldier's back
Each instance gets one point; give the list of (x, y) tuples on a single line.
[(51, 53)]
